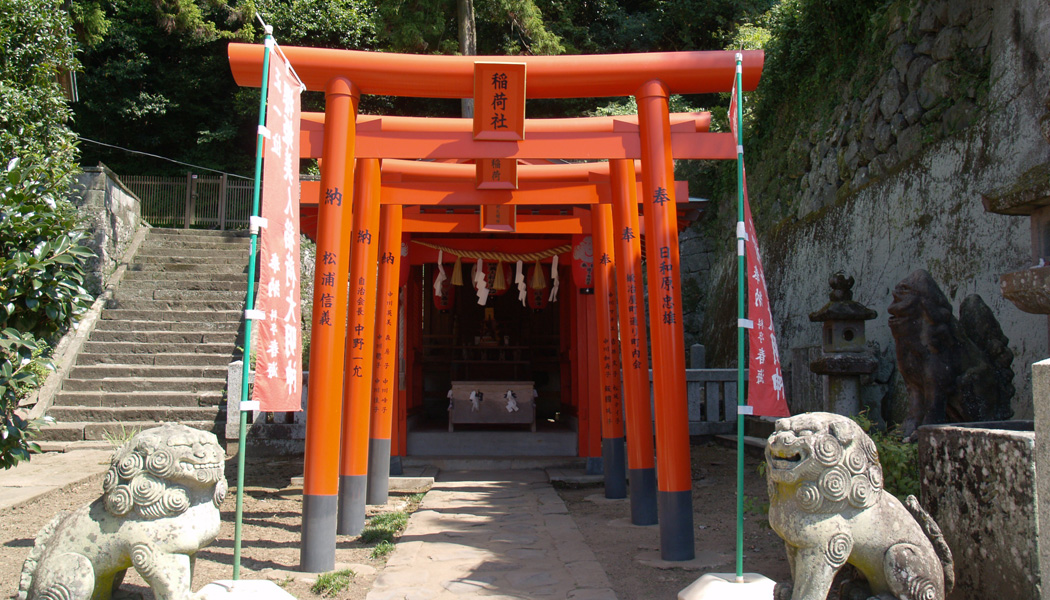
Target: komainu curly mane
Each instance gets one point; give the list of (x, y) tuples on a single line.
[(160, 505), (828, 504)]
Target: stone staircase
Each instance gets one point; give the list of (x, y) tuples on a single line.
[(160, 350)]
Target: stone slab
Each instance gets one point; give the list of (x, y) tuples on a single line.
[(22, 483), (574, 477)]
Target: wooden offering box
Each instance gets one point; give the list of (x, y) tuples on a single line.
[(492, 407)]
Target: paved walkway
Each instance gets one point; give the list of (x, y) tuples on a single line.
[(48, 472), (494, 535)]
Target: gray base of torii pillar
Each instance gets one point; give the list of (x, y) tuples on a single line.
[(352, 490), (676, 525), (378, 487), (317, 548), (614, 460), (643, 496)]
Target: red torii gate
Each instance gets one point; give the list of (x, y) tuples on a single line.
[(344, 75)]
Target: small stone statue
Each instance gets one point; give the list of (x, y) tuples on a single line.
[(956, 370), (827, 503), (160, 505)]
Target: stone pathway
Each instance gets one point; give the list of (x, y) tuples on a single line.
[(495, 535)]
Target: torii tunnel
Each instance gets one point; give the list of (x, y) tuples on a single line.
[(427, 184)]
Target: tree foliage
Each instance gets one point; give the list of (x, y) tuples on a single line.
[(155, 78), (41, 263), (36, 52), (503, 27)]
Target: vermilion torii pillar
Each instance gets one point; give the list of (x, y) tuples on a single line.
[(634, 351), (360, 344), (325, 391), (613, 447), (384, 380), (665, 324)]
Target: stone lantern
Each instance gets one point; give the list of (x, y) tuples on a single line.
[(1029, 195), (845, 351)]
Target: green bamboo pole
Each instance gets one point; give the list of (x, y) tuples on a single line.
[(741, 295), (249, 304)]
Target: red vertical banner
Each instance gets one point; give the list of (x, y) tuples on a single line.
[(765, 385), (279, 345)]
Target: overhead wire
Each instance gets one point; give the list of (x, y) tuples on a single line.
[(178, 162)]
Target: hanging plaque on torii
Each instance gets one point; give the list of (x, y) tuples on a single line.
[(499, 116)]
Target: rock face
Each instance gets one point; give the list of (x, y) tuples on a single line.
[(160, 505), (979, 483), (826, 501), (955, 370), (836, 200)]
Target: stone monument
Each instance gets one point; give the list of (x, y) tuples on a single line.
[(160, 505), (827, 503), (951, 376)]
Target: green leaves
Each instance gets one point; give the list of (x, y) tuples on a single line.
[(21, 370), (41, 290)]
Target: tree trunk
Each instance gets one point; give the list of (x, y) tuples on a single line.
[(468, 43)]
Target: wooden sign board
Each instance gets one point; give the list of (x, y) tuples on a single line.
[(497, 174), (499, 217), (499, 101)]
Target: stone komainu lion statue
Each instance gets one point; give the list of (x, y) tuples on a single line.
[(956, 370), (827, 503), (160, 505)]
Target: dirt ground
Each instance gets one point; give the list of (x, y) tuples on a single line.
[(270, 534), (630, 554), (272, 513)]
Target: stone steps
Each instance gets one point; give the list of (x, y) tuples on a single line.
[(149, 358), (70, 431), (162, 258), (124, 414), (166, 337), (188, 267), (112, 371), (182, 305), (179, 278), (167, 316), (236, 285), (161, 348), (188, 326), (145, 348), (144, 293), (119, 399), (153, 384)]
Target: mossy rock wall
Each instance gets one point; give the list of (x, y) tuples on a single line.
[(916, 201)]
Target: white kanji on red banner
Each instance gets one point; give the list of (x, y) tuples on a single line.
[(278, 347), (765, 386)]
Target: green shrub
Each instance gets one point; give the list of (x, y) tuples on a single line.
[(899, 459), (383, 527), (382, 549), (21, 370), (42, 269), (42, 263), (333, 582)]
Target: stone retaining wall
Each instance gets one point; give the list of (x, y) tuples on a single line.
[(111, 214)]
